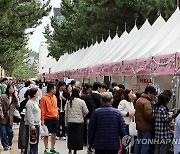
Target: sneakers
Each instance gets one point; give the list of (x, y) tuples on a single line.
[(6, 149), (54, 151), (46, 151)]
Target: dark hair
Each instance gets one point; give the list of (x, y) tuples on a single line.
[(50, 87), (5, 79), (27, 83), (75, 94), (7, 90), (150, 89), (96, 85), (73, 82), (26, 94), (114, 84), (168, 93), (126, 92), (104, 86), (61, 83), (32, 92), (121, 86), (162, 100), (88, 86), (119, 93), (46, 83), (40, 85)]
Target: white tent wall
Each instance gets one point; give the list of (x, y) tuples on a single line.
[(100, 79), (164, 82), (117, 51), (117, 79), (157, 25), (172, 22), (114, 47), (146, 27), (131, 82)]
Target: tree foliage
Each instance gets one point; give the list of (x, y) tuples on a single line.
[(16, 17), (87, 20)]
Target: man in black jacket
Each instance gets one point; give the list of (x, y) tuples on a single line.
[(93, 101), (62, 96)]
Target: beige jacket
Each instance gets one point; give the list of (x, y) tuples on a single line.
[(76, 113)]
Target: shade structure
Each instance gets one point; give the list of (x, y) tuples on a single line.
[(140, 44)]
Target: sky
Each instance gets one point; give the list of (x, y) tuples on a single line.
[(38, 37)]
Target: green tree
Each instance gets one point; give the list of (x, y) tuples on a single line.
[(16, 17), (91, 19)]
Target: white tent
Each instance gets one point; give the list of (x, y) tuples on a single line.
[(144, 39)]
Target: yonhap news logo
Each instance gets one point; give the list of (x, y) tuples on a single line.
[(127, 141)]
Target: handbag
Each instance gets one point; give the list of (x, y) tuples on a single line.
[(132, 128), (32, 136)]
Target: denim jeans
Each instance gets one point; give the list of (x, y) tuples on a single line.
[(106, 151), (141, 147), (161, 148), (31, 148), (6, 134)]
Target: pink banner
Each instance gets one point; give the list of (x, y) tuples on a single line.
[(164, 64), (107, 69), (90, 72), (117, 68), (143, 66), (178, 63), (129, 68), (83, 72), (97, 70)]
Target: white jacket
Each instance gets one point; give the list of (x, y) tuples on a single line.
[(76, 113), (125, 107)]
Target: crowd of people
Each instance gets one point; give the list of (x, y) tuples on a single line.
[(95, 115)]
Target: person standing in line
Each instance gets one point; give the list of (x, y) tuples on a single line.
[(106, 127), (62, 96), (126, 108), (162, 125), (22, 128), (4, 86), (32, 122), (145, 120), (96, 93), (23, 90), (50, 116), (118, 96), (75, 111), (8, 102)]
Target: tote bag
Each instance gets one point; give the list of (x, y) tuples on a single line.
[(132, 128)]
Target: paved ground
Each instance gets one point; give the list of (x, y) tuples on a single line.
[(61, 146)]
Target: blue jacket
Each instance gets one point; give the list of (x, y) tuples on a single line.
[(106, 127)]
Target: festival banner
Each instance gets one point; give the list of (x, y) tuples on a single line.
[(59, 75), (143, 66), (73, 73), (97, 70), (178, 63), (116, 68), (107, 69), (90, 72), (129, 68), (83, 72), (164, 64)]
